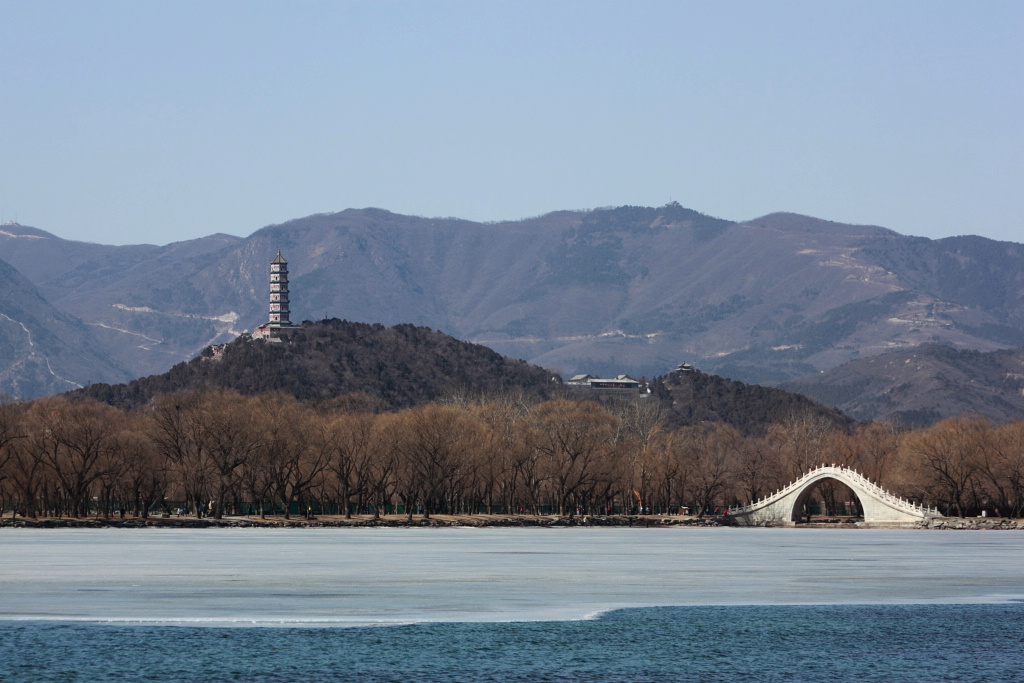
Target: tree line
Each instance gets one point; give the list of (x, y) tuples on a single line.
[(216, 452)]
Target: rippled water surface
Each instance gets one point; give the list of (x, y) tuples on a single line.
[(533, 604), (736, 643)]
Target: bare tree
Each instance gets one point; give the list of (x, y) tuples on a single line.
[(27, 476), (949, 457), (76, 440), (573, 436), (381, 474), (228, 433), (642, 420), (178, 434), (351, 440), (12, 429), (433, 442), (801, 442), (711, 453), (294, 458), (505, 445), (1002, 468), (755, 469), (144, 472), (876, 447)]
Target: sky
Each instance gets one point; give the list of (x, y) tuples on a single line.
[(129, 122)]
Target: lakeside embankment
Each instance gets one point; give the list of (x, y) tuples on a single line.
[(440, 521), (362, 521)]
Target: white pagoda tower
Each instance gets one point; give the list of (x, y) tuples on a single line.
[(278, 300)]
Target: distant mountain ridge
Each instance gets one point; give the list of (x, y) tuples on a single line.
[(921, 385), (627, 289)]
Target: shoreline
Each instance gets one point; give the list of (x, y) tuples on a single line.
[(364, 521), (474, 521)]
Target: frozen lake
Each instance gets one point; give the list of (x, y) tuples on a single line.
[(356, 577)]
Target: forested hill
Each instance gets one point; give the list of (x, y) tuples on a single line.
[(400, 366), (406, 365), (694, 397)]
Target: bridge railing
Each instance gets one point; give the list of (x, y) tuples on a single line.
[(857, 477)]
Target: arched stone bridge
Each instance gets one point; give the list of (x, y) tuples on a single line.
[(881, 508)]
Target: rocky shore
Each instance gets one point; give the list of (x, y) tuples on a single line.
[(976, 523)]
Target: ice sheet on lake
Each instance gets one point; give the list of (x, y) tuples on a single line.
[(348, 577)]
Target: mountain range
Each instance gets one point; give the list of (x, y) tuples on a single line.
[(618, 290)]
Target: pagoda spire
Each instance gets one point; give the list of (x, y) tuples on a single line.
[(279, 312)]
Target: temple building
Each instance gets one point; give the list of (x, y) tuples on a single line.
[(278, 301)]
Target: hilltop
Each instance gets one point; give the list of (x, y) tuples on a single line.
[(395, 366)]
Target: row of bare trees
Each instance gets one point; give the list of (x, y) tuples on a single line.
[(216, 453)]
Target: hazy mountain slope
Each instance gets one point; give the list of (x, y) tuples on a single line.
[(103, 286), (41, 256), (43, 351), (968, 272), (628, 289), (924, 384)]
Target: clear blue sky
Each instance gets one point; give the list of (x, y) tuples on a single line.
[(125, 122)]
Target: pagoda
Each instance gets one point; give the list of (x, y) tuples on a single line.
[(278, 301)]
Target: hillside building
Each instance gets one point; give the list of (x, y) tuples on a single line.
[(620, 384), (279, 313)]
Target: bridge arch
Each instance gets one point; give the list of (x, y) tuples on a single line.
[(880, 507), (805, 495)]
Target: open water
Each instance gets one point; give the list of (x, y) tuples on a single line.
[(511, 604)]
